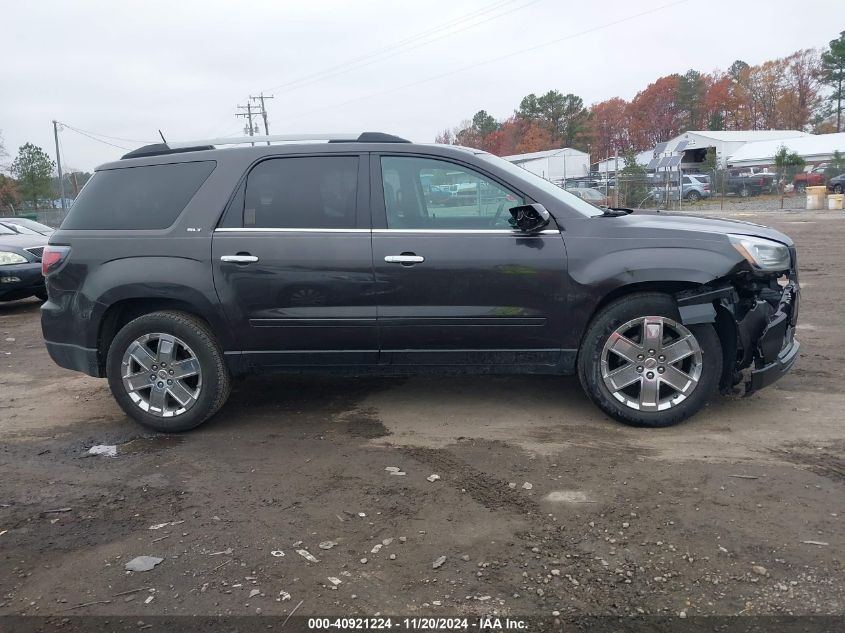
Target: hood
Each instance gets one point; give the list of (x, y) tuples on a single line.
[(703, 226)]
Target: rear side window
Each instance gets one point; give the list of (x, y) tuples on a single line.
[(137, 198), (314, 192)]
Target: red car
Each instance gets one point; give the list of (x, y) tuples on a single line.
[(812, 178)]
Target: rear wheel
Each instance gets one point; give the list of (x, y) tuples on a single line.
[(166, 371), (800, 188), (693, 196), (837, 189), (641, 366)]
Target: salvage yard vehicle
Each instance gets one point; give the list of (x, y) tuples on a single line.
[(20, 264), (182, 266)]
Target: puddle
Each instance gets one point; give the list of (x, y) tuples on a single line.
[(150, 444)]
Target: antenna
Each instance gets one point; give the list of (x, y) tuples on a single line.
[(162, 137)]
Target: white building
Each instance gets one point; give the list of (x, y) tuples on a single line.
[(554, 164), (725, 142), (812, 148), (609, 165)]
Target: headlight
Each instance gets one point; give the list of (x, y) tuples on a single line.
[(11, 258), (761, 253)]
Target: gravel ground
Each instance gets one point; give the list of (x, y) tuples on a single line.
[(542, 504)]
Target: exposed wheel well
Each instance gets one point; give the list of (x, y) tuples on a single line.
[(669, 287), (122, 312)]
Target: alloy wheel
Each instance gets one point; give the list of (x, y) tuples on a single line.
[(161, 374), (651, 363)]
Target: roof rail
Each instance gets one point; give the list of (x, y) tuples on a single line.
[(157, 149)]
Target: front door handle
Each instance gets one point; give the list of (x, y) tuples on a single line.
[(239, 259), (404, 259)]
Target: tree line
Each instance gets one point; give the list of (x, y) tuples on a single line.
[(802, 91), (32, 179)]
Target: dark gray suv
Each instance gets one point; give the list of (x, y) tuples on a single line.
[(183, 265)]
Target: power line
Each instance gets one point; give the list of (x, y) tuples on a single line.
[(353, 64), (114, 138), (493, 59), (93, 138), (332, 70)]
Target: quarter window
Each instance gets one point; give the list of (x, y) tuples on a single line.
[(318, 192), (137, 198), (423, 193)]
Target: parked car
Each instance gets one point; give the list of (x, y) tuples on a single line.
[(591, 195), (20, 264), (836, 184), (812, 178), (695, 187), (175, 271), (746, 185), (32, 225)]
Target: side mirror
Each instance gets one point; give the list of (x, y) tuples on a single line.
[(530, 218)]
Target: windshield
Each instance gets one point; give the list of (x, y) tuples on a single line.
[(570, 200)]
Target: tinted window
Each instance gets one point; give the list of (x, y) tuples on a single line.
[(134, 198), (315, 192), (422, 193)]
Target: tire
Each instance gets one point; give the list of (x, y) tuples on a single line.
[(693, 196), (621, 405), (838, 189), (745, 192), (193, 347), (800, 188)]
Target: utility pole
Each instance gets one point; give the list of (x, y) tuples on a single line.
[(59, 165), (260, 98), (248, 114)]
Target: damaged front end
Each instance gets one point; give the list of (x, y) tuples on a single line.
[(755, 313)]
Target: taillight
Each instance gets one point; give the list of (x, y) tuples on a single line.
[(52, 258)]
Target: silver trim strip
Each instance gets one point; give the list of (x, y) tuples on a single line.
[(263, 230), (469, 231), (412, 231)]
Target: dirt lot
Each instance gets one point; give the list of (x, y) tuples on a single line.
[(542, 505)]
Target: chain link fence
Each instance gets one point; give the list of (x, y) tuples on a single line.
[(716, 189)]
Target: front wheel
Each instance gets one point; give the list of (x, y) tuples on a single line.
[(166, 370), (837, 189), (643, 367)]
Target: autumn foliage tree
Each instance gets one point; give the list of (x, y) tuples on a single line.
[(782, 93)]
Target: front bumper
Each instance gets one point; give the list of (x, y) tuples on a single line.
[(777, 349), (18, 281)]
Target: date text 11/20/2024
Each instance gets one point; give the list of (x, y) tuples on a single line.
[(419, 624)]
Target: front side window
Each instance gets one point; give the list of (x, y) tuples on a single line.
[(423, 193), (314, 192)]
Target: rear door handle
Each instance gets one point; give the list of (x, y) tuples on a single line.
[(404, 259), (239, 259)]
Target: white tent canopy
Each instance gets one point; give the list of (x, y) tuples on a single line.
[(813, 148)]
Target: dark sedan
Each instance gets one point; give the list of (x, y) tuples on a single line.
[(20, 265), (836, 184)]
